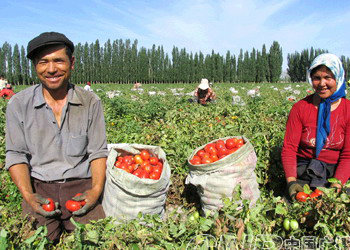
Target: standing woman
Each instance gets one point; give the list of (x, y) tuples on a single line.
[(317, 139)]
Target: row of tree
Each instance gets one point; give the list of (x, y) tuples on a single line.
[(122, 62), (298, 63)]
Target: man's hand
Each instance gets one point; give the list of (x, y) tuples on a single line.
[(36, 200), (293, 188), (90, 197), (336, 186)]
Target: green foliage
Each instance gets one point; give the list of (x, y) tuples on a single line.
[(179, 127)]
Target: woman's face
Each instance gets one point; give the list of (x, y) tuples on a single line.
[(323, 82)]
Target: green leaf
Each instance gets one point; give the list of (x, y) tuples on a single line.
[(32, 239), (280, 210), (334, 180), (307, 189)]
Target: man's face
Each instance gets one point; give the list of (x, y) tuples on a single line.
[(53, 67)]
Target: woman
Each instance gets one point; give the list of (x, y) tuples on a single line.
[(317, 139), (204, 93)]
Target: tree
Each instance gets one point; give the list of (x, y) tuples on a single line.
[(24, 67), (275, 62)]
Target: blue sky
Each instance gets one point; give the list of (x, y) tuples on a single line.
[(197, 25)]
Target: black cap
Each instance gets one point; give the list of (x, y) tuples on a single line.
[(47, 38)]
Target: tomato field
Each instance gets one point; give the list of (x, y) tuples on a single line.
[(161, 115)]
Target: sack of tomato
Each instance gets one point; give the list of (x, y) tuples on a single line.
[(219, 166), (137, 180)]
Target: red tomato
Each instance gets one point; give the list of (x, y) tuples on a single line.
[(232, 150), (231, 143), (128, 159), (120, 159), (219, 144), (160, 164), (148, 168), (196, 158), (205, 155), (49, 207), (223, 151), (314, 195), (117, 164), (206, 160), (317, 191), (240, 142), (209, 147), (144, 175), (73, 205), (130, 168), (144, 164), (214, 158), (83, 202), (154, 176), (153, 160), (301, 196), (138, 159), (145, 155), (124, 167), (158, 169), (200, 153), (137, 172), (195, 162)]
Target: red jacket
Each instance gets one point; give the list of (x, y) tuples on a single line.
[(300, 138)]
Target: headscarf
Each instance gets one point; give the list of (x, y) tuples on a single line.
[(333, 63)]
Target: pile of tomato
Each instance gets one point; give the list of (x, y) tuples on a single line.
[(302, 196), (143, 165), (213, 152)]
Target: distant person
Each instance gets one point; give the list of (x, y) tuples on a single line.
[(137, 86), (7, 92), (317, 139), (204, 93), (88, 87), (3, 82)]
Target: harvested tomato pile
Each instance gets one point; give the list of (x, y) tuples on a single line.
[(143, 165), (302, 196), (215, 151)]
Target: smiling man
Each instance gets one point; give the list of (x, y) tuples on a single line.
[(56, 140)]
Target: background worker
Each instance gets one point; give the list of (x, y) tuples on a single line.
[(56, 140), (7, 92), (204, 93)]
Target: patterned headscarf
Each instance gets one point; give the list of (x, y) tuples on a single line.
[(333, 63)]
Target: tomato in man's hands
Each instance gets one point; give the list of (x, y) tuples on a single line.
[(73, 206), (301, 196), (49, 207)]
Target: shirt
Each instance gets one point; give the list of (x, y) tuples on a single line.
[(53, 153), (88, 88), (300, 138)]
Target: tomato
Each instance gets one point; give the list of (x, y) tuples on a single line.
[(160, 164), (205, 155), (301, 196), (153, 160), (231, 143), (144, 175), (157, 169), (294, 225), (137, 172), (148, 168), (83, 202), (195, 162), (49, 207), (124, 167), (239, 143), (120, 159), (73, 205), (130, 168), (200, 153), (210, 148), (214, 158), (286, 224), (138, 159), (196, 158), (219, 143), (145, 155), (223, 151), (154, 176), (231, 151), (206, 160), (317, 191), (117, 164), (128, 159)]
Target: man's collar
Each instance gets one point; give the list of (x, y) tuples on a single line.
[(72, 96)]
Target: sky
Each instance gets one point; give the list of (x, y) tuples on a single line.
[(197, 25)]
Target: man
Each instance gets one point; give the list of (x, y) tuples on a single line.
[(7, 92), (55, 139)]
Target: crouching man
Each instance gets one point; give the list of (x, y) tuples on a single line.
[(56, 140)]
